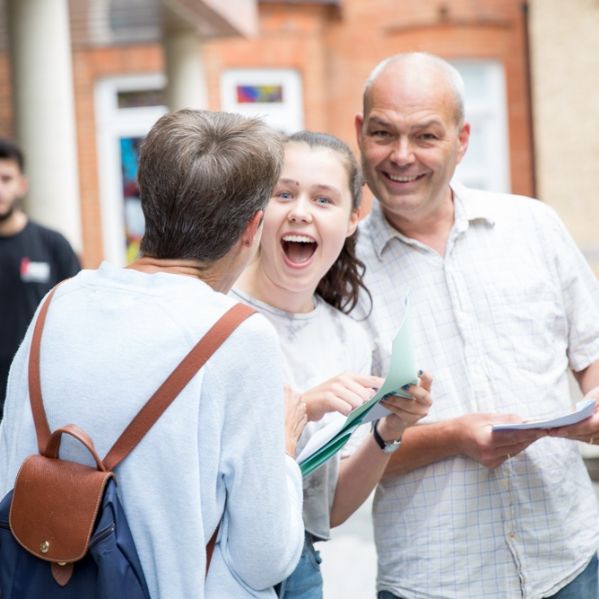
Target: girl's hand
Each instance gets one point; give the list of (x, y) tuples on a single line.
[(406, 412), (295, 419), (342, 393)]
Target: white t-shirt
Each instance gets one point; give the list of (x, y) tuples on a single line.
[(317, 346)]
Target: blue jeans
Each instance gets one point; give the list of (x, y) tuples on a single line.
[(584, 586), (305, 582)]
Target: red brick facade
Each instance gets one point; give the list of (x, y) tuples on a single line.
[(333, 47)]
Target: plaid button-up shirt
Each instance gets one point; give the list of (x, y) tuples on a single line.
[(498, 321)]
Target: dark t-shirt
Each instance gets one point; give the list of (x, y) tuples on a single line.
[(31, 263)]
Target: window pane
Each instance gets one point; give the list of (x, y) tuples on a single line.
[(133, 215), (141, 98)]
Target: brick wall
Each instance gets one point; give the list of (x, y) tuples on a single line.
[(6, 118), (334, 50)]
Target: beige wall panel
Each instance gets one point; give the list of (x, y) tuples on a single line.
[(564, 39)]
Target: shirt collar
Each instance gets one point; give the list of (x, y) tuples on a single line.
[(467, 210)]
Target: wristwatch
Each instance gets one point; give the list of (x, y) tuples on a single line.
[(386, 446)]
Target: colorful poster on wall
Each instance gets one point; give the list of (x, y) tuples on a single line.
[(133, 216), (274, 95), (262, 94)]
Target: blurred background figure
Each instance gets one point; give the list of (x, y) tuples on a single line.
[(32, 259)]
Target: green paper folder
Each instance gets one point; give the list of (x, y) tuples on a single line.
[(326, 442)]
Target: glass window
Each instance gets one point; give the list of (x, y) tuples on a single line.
[(486, 163), (140, 98), (126, 109)]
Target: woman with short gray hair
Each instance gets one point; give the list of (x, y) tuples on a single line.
[(215, 459)]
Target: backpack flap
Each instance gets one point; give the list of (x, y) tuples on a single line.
[(54, 507)]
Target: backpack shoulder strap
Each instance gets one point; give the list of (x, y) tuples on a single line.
[(174, 384), (160, 400), (40, 420), (155, 406)]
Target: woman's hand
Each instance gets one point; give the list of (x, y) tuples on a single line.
[(295, 419), (342, 393), (405, 411)]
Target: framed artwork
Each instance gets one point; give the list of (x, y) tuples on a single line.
[(273, 94)]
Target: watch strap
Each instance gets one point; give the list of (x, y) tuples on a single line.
[(386, 446)]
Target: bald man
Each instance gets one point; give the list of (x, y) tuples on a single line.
[(503, 305)]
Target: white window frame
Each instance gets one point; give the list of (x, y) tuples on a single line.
[(492, 111), (112, 123), (287, 116)]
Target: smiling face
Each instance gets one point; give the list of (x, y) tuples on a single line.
[(410, 140), (307, 220)]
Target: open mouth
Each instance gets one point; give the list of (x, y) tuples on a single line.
[(298, 248)]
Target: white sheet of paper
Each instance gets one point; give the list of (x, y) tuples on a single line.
[(584, 409), (320, 437)]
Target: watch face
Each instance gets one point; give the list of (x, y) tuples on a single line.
[(391, 447)]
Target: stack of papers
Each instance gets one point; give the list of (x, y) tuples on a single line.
[(584, 408), (327, 441)]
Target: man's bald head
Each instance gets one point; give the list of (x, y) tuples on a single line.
[(418, 66)]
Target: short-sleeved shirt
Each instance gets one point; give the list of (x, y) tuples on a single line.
[(498, 320), (31, 262), (317, 346)]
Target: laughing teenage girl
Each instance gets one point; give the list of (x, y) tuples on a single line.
[(305, 279)]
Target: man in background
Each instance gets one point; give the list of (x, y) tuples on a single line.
[(32, 259)]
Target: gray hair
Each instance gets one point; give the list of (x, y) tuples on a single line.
[(202, 176), (452, 75)]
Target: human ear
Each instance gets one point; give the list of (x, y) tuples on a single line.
[(23, 186), (354, 219), (463, 139), (253, 230), (358, 124)]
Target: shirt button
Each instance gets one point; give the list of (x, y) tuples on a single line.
[(511, 535)]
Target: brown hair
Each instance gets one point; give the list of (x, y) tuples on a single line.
[(202, 176), (341, 285)]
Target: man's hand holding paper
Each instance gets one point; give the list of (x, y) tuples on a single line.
[(587, 430), (491, 448)]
